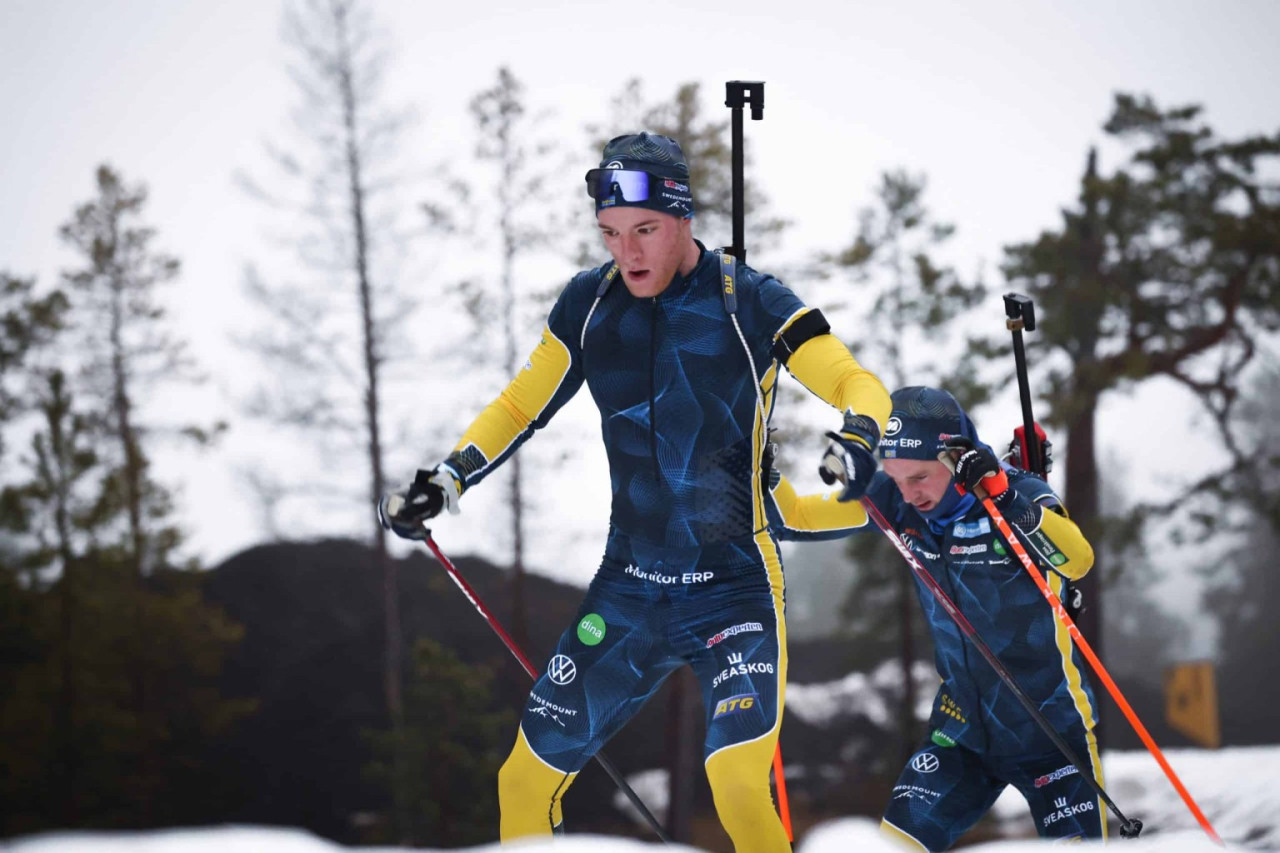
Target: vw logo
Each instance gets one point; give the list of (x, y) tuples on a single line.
[(562, 670), (893, 427), (925, 762)]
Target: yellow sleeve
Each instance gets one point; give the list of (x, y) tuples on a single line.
[(825, 366), (525, 404), (818, 513), (1060, 544)]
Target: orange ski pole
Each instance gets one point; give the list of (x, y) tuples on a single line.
[(780, 781)]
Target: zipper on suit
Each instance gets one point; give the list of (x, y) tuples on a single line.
[(653, 400)]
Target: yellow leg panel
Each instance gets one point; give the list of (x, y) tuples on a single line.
[(739, 777), (529, 792), (900, 838)]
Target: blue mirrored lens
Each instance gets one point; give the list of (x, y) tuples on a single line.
[(604, 183)]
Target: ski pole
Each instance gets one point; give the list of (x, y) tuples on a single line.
[(737, 94), (471, 595), (1129, 827), (1006, 532)]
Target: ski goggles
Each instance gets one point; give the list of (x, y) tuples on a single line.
[(610, 187)]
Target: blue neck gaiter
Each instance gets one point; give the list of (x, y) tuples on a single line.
[(949, 510)]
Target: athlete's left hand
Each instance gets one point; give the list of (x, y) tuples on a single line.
[(977, 466), (850, 458)]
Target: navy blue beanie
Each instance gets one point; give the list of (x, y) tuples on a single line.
[(922, 418), (661, 157)]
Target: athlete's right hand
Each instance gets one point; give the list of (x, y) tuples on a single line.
[(403, 511)]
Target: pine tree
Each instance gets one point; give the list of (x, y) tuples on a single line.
[(453, 742), (1169, 267), (117, 696)]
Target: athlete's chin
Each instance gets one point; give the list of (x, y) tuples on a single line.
[(642, 283)]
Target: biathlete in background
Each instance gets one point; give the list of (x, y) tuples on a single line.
[(982, 738)]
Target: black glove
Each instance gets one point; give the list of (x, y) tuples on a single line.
[(850, 458), (978, 466), (403, 512)]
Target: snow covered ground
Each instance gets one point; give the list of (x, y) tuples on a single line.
[(1238, 789)]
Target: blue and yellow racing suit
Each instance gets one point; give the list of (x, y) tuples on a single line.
[(691, 572), (982, 737)]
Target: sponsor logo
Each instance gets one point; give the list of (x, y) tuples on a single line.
[(734, 631), (1046, 547), (543, 711), (737, 667), (562, 669), (551, 710), (968, 549), (735, 704), (925, 762), (591, 629), (948, 706), (914, 792), (672, 185), (998, 547), (728, 285), (943, 740), (890, 443), (1060, 773), (1060, 803), (614, 164), (657, 577), (1067, 811), (971, 529), (893, 427), (913, 545)]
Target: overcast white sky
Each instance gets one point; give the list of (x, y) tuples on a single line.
[(996, 101)]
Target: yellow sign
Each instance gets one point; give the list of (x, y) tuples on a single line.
[(1191, 702)]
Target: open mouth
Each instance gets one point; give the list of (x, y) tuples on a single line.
[(638, 275)]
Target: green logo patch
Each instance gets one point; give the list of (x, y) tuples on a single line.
[(999, 548), (591, 629), (942, 740)]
